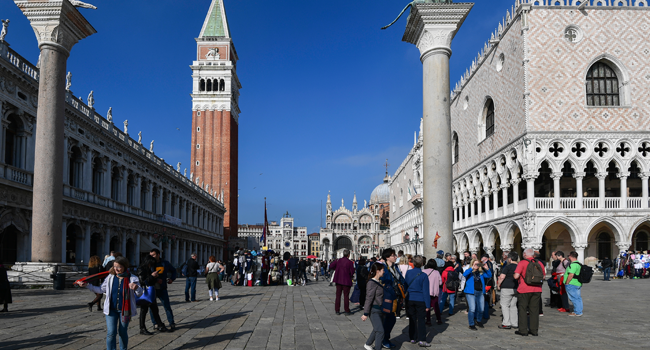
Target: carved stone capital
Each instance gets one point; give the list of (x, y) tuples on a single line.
[(623, 245), (56, 23), (601, 176), (580, 246), (432, 26), (556, 176), (579, 175), (623, 175)]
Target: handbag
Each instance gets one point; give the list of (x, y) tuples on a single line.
[(148, 297)]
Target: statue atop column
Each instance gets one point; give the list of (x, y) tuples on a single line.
[(5, 27), (109, 115), (91, 99), (151, 146), (140, 137), (178, 167), (126, 126), (68, 78)]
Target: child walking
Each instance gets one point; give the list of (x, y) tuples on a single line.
[(372, 307)]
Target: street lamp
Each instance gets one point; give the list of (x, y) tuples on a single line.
[(416, 239)]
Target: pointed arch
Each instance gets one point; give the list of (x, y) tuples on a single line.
[(571, 227), (613, 224)]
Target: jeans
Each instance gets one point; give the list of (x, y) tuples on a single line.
[(345, 290), (606, 272), (190, 282), (509, 307), (528, 301), (452, 301), (153, 308), (114, 326), (416, 311), (575, 297), (475, 304), (377, 334), (163, 296)]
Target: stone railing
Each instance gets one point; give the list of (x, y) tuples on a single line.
[(567, 203), (634, 203), (544, 203), (18, 61), (590, 203), (17, 175), (612, 203)]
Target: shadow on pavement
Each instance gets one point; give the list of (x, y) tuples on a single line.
[(199, 343), (208, 321), (54, 339), (33, 312)]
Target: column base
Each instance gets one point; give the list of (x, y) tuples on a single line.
[(39, 274)]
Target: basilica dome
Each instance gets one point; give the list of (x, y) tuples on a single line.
[(381, 193)]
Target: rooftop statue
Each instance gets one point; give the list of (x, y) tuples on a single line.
[(68, 78), (76, 3), (417, 2), (5, 27)]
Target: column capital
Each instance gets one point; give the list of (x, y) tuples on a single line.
[(432, 26), (601, 175), (580, 246), (623, 175), (515, 182), (56, 23), (623, 245), (556, 176), (579, 175), (530, 176), (644, 176)]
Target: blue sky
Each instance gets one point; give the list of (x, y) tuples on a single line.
[(327, 96)]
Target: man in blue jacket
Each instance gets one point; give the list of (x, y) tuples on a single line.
[(391, 278), (166, 274)]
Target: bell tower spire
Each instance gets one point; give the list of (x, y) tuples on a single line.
[(215, 112)]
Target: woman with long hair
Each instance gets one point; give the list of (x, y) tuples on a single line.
[(476, 277), (372, 306), (148, 278), (94, 267), (121, 289), (212, 270), (435, 281)]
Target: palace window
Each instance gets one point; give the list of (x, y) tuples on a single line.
[(454, 141), (489, 118), (15, 142), (602, 86)]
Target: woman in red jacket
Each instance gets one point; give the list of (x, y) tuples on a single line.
[(449, 267)]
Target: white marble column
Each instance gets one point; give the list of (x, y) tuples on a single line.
[(601, 189), (138, 190), (466, 213), (515, 194), (530, 191), (579, 176), (471, 211), (108, 173), (431, 27), (556, 190), (580, 249), (644, 189), (504, 197), (66, 162), (479, 202), (622, 176), (495, 201), (88, 171)]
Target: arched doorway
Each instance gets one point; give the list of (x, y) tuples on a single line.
[(73, 241), (115, 244), (640, 241), (96, 245), (604, 242), (9, 245), (341, 244), (556, 237)]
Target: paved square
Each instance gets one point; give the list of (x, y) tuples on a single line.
[(303, 318)]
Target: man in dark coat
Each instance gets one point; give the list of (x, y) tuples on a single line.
[(5, 289), (343, 272)]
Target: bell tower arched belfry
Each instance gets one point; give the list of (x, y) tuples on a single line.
[(215, 113)]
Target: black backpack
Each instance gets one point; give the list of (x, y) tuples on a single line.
[(453, 281), (586, 272)]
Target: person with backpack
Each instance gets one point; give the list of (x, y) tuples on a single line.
[(450, 284), (573, 284), (508, 287), (476, 278), (530, 275)]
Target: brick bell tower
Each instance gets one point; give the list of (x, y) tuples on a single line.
[(215, 113)]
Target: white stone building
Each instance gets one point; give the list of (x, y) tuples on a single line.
[(281, 238), (406, 202), (118, 195), (359, 230), (551, 132)]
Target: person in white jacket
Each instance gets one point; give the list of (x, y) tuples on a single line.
[(121, 289)]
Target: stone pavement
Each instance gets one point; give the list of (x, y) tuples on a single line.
[(303, 318)]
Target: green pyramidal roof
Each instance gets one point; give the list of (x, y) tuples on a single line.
[(216, 23)]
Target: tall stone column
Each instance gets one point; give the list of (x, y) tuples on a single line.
[(431, 27), (579, 176), (58, 26), (644, 189)]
